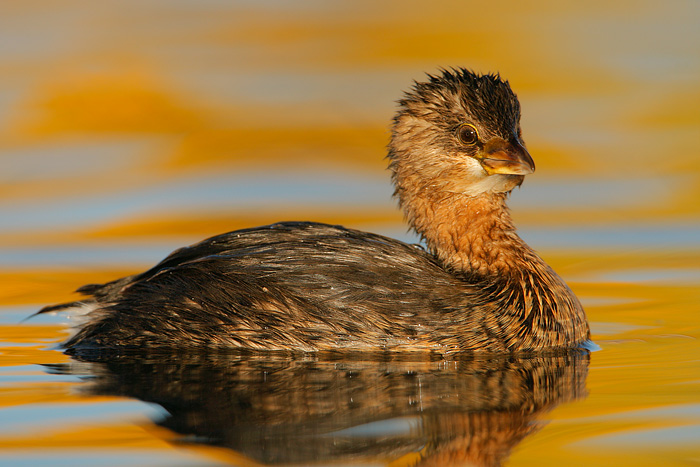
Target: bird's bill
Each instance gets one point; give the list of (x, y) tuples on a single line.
[(506, 158)]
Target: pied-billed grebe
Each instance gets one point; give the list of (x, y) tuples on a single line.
[(455, 154)]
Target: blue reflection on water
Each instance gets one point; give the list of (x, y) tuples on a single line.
[(117, 253), (42, 416), (251, 190), (67, 457), (618, 237)]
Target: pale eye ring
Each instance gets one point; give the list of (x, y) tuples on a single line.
[(467, 134)]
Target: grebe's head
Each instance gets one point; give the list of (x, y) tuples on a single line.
[(459, 132)]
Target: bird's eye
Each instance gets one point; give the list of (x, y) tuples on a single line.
[(467, 134)]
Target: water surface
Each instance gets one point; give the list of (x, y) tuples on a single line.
[(128, 129)]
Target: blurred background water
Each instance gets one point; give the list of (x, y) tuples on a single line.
[(130, 128)]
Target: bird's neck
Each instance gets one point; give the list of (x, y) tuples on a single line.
[(475, 236), (470, 234)]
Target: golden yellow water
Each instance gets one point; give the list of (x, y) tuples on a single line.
[(129, 129)]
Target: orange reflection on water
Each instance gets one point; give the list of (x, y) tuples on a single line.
[(109, 106)]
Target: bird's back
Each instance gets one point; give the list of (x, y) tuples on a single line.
[(295, 285)]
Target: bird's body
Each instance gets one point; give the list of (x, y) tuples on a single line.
[(456, 153)]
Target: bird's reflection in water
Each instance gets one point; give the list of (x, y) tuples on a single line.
[(298, 409)]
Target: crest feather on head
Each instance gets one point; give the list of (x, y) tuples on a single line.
[(458, 95)]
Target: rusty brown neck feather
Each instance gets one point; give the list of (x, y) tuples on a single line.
[(471, 234)]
